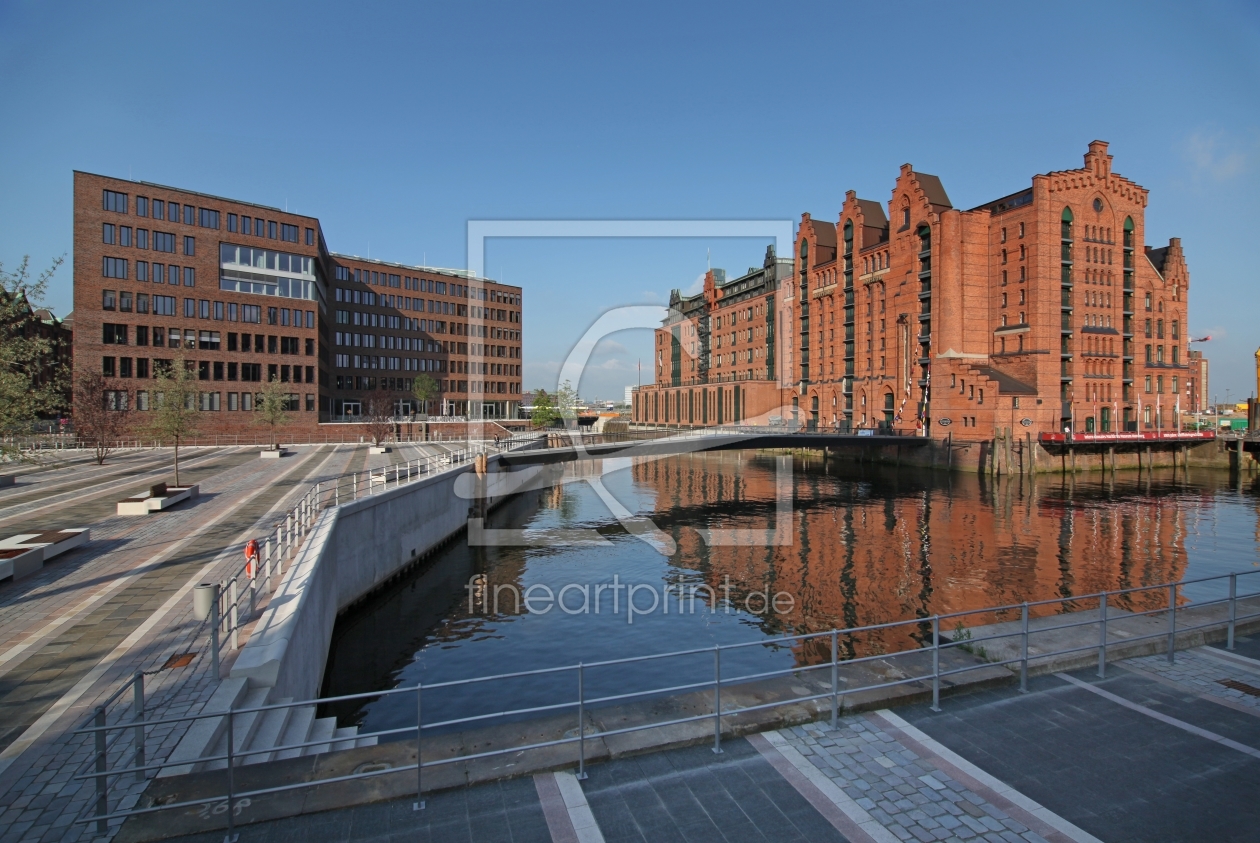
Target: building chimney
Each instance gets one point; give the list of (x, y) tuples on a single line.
[(1097, 159)]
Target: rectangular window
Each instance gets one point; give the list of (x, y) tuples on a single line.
[(288, 233), (260, 227), (273, 315), (189, 277), (124, 235), (190, 215), (109, 299), (107, 234), (218, 311), (163, 305), (142, 206), (190, 308), (232, 223), (142, 335), (159, 209), (190, 245), (142, 302), (142, 238), (208, 340), (233, 312), (142, 369), (203, 309), (112, 334), (114, 268), (271, 229), (251, 313), (163, 242), (108, 367), (310, 319), (116, 202), (172, 212), (310, 237), (124, 302), (246, 225), (124, 367), (207, 218)]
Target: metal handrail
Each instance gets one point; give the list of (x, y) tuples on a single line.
[(100, 729)]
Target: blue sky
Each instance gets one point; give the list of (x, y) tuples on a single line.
[(397, 123)]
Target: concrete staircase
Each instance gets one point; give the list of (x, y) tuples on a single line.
[(258, 736)]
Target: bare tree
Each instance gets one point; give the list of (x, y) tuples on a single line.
[(378, 412), (102, 415), (272, 407), (175, 413)]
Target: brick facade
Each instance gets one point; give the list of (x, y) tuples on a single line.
[(248, 293), (1040, 311)]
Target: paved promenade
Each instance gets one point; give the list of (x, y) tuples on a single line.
[(1151, 753), (81, 626)]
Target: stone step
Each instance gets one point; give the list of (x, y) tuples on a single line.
[(296, 731), (243, 728), (267, 735), (345, 732), (321, 730), (204, 734)]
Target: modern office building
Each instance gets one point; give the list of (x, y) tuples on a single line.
[(247, 293), (1040, 311), (1197, 392)]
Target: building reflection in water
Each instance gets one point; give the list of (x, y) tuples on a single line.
[(874, 545)]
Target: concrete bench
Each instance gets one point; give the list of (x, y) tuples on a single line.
[(158, 498), (25, 553), (270, 454), (7, 480)]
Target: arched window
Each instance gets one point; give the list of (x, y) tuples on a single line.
[(1067, 223), (804, 250), (1128, 232)]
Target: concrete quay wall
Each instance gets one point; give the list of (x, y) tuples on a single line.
[(352, 550)]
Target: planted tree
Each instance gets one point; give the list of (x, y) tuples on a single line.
[(272, 407), (175, 414), (102, 415), (566, 402), (423, 388), (26, 389), (544, 413), (378, 413)]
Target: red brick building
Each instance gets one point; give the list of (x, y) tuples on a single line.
[(249, 293), (1042, 310)]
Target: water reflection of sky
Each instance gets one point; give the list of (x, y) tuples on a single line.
[(870, 546)]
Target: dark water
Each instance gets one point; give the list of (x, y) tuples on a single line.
[(859, 546)]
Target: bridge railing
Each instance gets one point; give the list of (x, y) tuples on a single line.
[(119, 761)]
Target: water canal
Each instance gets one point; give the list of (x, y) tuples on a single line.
[(860, 545)]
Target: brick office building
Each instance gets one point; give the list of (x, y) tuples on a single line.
[(1042, 311), (248, 293)]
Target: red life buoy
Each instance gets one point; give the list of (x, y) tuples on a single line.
[(251, 557)]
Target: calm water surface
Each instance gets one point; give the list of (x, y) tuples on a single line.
[(863, 545)]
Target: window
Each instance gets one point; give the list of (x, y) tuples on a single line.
[(142, 238), (1021, 234), (113, 334), (142, 370), (190, 215), (203, 309), (190, 308), (124, 302), (108, 368), (1148, 301), (208, 341), (190, 245), (107, 234), (172, 275), (116, 202), (207, 218), (163, 242), (218, 311), (271, 229), (251, 313), (232, 223), (114, 268), (142, 335), (163, 306), (310, 237), (288, 233), (124, 235), (142, 206), (260, 227), (190, 277), (109, 299), (142, 303), (172, 212)]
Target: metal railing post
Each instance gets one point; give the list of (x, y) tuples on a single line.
[(214, 636), (138, 705), (1172, 621), (102, 781), (717, 698), (231, 763), (418, 805), (936, 662), (1233, 610), (1023, 659), (233, 616), (269, 563), (354, 486), (581, 722), (835, 681), (1102, 636)]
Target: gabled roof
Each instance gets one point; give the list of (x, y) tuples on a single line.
[(824, 232), (933, 189), (1007, 385), (1157, 257), (873, 215)]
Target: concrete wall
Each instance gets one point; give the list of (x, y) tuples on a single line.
[(352, 550)]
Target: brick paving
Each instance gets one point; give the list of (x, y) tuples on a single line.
[(38, 799), (1201, 673)]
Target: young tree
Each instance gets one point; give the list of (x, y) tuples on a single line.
[(102, 416), (378, 412), (174, 415), (270, 404), (566, 402), (423, 388), (544, 410), (24, 356)]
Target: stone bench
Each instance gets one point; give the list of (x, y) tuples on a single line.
[(273, 454), (158, 498), (25, 553)]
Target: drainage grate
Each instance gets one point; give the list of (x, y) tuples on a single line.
[(185, 659), (1240, 686)]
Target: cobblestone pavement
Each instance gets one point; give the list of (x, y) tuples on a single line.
[(1202, 671), (84, 624), (903, 792)]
